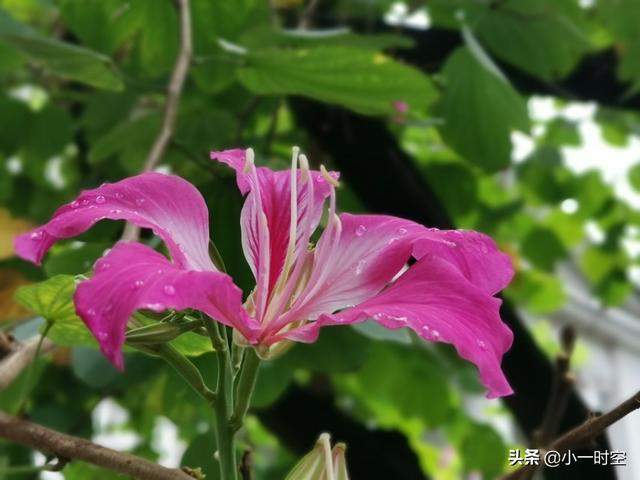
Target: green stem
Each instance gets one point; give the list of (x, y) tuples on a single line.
[(244, 388), (224, 406), (29, 373)]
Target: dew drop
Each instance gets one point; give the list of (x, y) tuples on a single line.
[(360, 266), (85, 202), (169, 289), (102, 266), (75, 204), (138, 284), (119, 196), (115, 211), (361, 230), (102, 335), (482, 344), (435, 334), (402, 231), (139, 201), (91, 312), (36, 235), (100, 199)]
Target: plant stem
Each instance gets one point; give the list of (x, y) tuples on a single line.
[(248, 377), (224, 404)]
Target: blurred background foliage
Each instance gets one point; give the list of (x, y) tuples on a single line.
[(83, 85)]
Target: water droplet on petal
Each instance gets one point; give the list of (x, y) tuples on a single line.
[(435, 334), (102, 266), (483, 248), (102, 335), (91, 312), (115, 211), (402, 231), (36, 235), (139, 201), (361, 230), (169, 289), (75, 204), (119, 196), (482, 344), (138, 284), (85, 202), (100, 199)]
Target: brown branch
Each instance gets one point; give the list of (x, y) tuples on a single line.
[(563, 381), (174, 89), (584, 434), (68, 447), (174, 92), (13, 364)]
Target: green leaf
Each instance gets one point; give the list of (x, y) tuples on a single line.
[(361, 79), (51, 299), (67, 60), (562, 133), (538, 292), (480, 111), (337, 350), (73, 259), (634, 177), (534, 35), (543, 248), (400, 380), (483, 449)]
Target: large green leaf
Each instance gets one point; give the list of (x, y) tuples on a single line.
[(534, 35), (480, 110), (67, 60), (361, 79)]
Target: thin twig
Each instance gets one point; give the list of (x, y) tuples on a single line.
[(584, 434), (12, 365), (66, 446), (174, 89), (174, 92), (563, 382), (306, 19)]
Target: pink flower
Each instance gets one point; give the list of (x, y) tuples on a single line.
[(357, 271)]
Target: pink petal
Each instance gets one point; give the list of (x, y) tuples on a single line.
[(436, 301), (355, 263), (132, 276), (476, 255), (270, 194), (169, 205)]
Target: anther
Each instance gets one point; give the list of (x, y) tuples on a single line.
[(248, 160), (328, 177)]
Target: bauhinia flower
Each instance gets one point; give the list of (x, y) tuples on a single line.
[(439, 283)]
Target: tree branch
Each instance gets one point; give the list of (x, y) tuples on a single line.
[(174, 89), (584, 434), (174, 92), (66, 446), (12, 365)]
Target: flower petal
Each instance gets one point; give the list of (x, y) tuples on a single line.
[(169, 205), (354, 262), (132, 276), (436, 301), (270, 194), (475, 254)]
